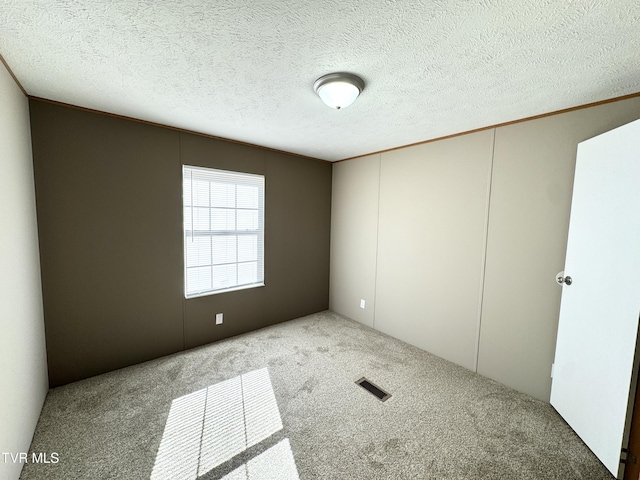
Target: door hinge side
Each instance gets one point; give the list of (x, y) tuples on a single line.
[(628, 457)]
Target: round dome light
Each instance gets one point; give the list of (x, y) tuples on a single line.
[(338, 90)]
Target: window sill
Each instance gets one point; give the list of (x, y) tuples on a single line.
[(217, 292)]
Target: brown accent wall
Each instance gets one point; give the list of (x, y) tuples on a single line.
[(109, 202), (243, 309), (298, 228)]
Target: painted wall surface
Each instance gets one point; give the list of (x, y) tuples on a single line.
[(426, 289), (297, 220), (433, 204), (244, 309), (297, 236), (110, 218), (23, 368), (109, 194), (533, 169), (354, 237)]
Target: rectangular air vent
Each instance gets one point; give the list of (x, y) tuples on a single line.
[(373, 389)]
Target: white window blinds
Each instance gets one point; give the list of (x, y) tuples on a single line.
[(223, 230)]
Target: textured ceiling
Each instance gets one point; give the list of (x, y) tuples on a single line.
[(244, 70)]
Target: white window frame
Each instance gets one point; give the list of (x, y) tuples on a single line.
[(191, 231)]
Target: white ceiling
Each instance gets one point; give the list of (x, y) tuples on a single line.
[(244, 69)]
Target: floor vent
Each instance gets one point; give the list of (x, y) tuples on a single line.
[(373, 389)]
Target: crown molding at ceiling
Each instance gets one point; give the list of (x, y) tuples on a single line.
[(177, 129), (15, 79), (124, 117), (535, 117)]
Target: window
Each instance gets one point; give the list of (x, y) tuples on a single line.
[(223, 230)]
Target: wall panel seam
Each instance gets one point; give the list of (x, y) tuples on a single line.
[(484, 253), (265, 169), (184, 300), (375, 267)]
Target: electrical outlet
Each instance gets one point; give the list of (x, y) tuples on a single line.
[(361, 303), (218, 319)]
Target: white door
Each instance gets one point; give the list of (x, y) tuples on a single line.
[(600, 308)]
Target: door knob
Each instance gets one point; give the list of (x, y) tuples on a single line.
[(560, 279)]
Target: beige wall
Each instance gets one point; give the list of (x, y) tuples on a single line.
[(354, 241), (470, 236), (433, 203), (533, 169), (23, 369)]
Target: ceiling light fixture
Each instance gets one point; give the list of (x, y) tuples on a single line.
[(339, 90)]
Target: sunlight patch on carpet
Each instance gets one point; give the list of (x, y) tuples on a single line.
[(276, 463), (211, 426)]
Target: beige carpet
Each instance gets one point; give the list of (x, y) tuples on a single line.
[(281, 403)]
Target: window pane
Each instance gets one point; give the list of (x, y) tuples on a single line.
[(200, 192), (223, 219), (223, 195), (224, 249), (198, 279), (198, 251), (247, 219), (247, 248), (225, 276), (247, 273), (247, 196), (201, 218), (187, 219)]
